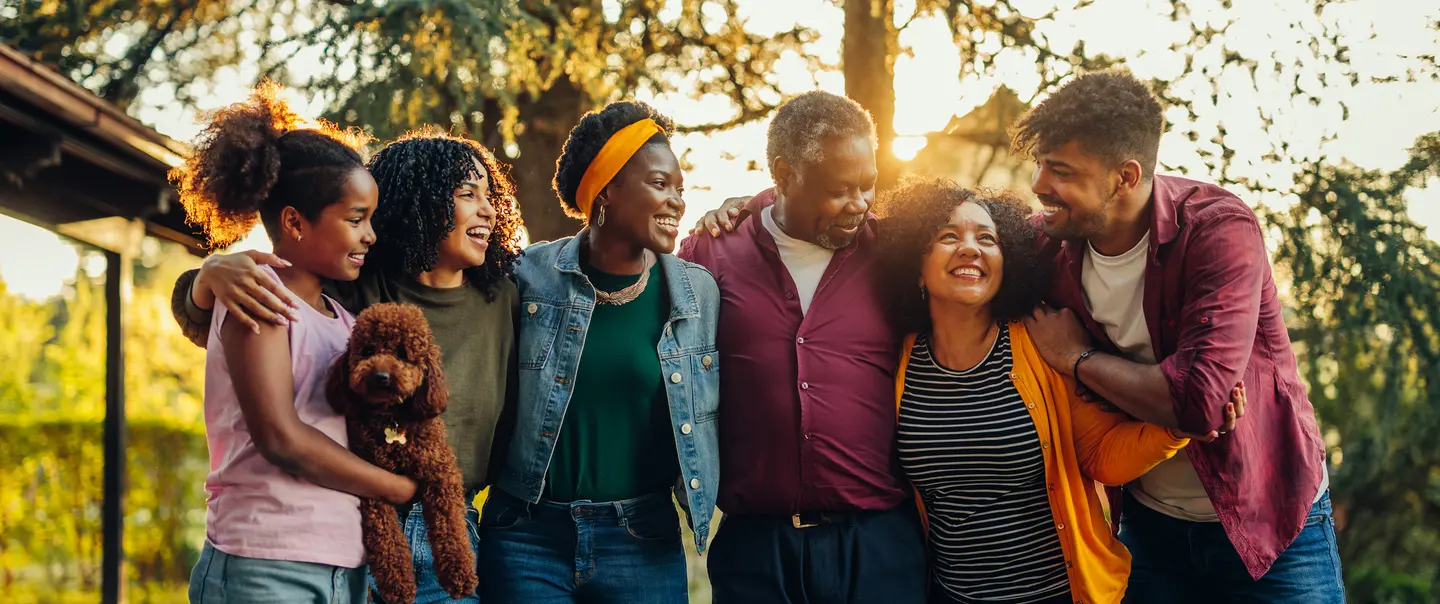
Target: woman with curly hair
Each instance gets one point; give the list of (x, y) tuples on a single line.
[(446, 227), (1002, 453), (618, 384), (282, 520)]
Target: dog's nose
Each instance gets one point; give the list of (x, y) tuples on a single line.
[(381, 379)]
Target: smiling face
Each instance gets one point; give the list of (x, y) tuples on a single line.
[(963, 264), (1077, 191), (644, 202), (828, 203), (464, 247), (334, 245)]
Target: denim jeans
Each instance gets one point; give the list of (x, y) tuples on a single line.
[(427, 586), (220, 578), (550, 553), (1178, 562)]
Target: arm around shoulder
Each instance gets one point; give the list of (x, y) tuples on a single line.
[(1226, 268), (194, 321)]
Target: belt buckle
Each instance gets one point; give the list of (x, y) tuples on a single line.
[(800, 524)]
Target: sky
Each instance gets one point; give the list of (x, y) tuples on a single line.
[(1383, 121)]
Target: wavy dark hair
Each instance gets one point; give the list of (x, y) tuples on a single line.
[(911, 215), (417, 175), (588, 136), (256, 157)]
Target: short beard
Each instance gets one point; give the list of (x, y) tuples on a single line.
[(1082, 227), (831, 243)]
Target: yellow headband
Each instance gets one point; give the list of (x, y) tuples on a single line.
[(611, 158)]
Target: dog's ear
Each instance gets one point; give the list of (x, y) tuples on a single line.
[(337, 383), (431, 397)]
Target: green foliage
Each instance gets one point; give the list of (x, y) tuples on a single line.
[(50, 527), (52, 402), (1365, 284)]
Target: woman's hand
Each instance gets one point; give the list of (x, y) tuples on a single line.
[(248, 293), (1234, 410), (725, 217)]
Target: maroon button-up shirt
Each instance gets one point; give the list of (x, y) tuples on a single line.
[(807, 401), (1215, 320)]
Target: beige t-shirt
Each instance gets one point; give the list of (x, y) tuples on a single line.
[(805, 261), (1114, 289)]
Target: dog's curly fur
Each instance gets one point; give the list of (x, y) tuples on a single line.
[(390, 378)]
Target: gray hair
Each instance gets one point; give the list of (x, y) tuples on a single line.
[(802, 124)]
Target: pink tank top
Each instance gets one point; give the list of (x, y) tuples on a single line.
[(254, 509)]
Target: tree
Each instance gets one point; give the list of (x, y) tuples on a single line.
[(515, 75), (1365, 280)]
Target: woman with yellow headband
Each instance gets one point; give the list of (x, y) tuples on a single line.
[(619, 385)]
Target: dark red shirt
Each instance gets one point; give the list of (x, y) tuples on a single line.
[(807, 400), (1215, 320)]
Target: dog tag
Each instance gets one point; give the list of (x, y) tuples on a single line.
[(393, 436)]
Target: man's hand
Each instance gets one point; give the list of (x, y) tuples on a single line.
[(1234, 410), (726, 217), (1058, 336), (237, 281)]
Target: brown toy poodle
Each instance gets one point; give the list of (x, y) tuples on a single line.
[(390, 389)]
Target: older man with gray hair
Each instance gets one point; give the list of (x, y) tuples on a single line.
[(815, 508)]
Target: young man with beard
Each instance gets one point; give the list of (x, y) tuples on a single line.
[(816, 510), (1169, 301)]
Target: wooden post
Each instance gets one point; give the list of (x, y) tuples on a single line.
[(112, 512)]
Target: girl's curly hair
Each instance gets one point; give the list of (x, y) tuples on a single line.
[(417, 175), (588, 136), (911, 215), (255, 158)]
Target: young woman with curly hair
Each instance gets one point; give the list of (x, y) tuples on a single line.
[(447, 228), (618, 384), (282, 519), (1008, 521)]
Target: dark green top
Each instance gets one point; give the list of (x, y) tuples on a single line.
[(476, 337), (615, 441)]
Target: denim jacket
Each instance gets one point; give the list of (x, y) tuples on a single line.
[(556, 302)]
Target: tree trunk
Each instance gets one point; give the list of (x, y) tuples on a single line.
[(546, 122), (868, 60)]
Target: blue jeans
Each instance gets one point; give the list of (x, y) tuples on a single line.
[(220, 578), (427, 585), (1177, 562), (550, 553)]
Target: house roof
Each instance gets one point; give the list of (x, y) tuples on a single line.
[(69, 159)]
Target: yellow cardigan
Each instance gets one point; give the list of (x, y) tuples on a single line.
[(1078, 440)]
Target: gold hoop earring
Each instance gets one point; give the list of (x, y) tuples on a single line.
[(599, 216)]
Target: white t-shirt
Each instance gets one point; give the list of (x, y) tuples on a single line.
[(1114, 289), (805, 261)]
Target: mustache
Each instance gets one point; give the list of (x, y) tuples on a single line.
[(848, 221), (1052, 200)]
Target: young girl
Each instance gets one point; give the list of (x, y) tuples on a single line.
[(282, 518), (447, 227)]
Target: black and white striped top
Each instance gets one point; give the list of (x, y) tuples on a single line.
[(969, 446)]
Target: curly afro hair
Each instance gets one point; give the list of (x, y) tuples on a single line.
[(417, 175), (1111, 113), (588, 136), (801, 126), (254, 158), (911, 215)]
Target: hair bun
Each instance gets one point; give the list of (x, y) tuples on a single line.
[(234, 164)]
